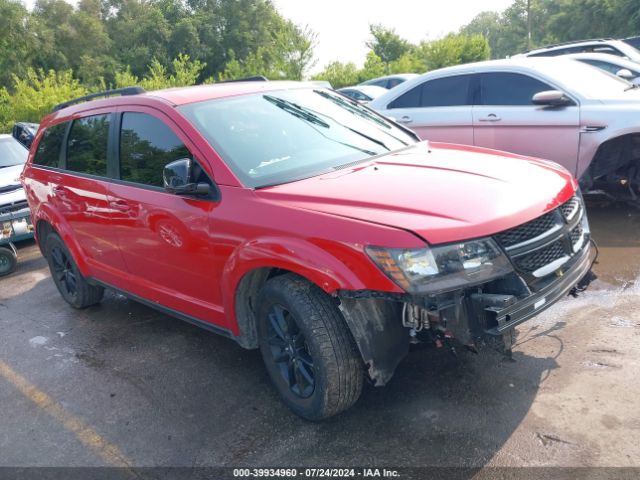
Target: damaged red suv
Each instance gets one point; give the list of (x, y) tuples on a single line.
[(292, 219)]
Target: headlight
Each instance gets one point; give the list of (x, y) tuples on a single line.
[(442, 268)]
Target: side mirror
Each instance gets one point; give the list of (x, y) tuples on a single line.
[(178, 179), (552, 98), (625, 73)]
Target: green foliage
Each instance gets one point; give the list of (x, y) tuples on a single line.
[(98, 38), (450, 50), (453, 49), (339, 74), (387, 44), (554, 21), (288, 57), (34, 96)]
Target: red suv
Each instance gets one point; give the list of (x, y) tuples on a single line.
[(292, 219)]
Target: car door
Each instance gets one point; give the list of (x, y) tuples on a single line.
[(163, 237), (438, 109), (80, 185), (504, 118)]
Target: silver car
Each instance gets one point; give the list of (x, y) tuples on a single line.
[(619, 66), (553, 108)]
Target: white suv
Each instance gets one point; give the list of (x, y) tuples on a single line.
[(607, 45), (553, 108)]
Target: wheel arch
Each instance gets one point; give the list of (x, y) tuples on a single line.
[(252, 264), (49, 222)]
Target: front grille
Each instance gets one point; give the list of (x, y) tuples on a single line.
[(570, 208), (13, 207), (10, 188), (537, 259), (549, 238), (528, 231)]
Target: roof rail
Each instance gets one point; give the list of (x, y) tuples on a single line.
[(571, 42), (256, 78), (107, 93)]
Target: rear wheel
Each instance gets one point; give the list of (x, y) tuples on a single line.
[(73, 287), (8, 261), (307, 348)]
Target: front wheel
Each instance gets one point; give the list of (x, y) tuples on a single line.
[(8, 261), (307, 348), (73, 287)]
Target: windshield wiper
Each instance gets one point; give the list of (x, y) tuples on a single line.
[(296, 110), (633, 86), (361, 112)]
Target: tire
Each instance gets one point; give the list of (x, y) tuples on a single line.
[(307, 348), (8, 261), (73, 287)]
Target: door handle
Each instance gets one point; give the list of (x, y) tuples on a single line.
[(492, 117), (120, 205), (404, 119)]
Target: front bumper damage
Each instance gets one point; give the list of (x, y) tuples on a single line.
[(384, 325)]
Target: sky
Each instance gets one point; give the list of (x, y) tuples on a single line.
[(342, 26)]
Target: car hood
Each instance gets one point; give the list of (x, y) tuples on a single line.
[(440, 192), (10, 187)]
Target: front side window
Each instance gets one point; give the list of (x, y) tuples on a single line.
[(509, 89), (87, 145), (441, 92), (286, 135), (147, 144), (48, 152)]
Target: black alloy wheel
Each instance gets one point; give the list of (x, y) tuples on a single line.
[(290, 351)]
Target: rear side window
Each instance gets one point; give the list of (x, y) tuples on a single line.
[(509, 89), (146, 145), (87, 145), (441, 92), (48, 152)]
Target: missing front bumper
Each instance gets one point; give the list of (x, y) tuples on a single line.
[(507, 312)]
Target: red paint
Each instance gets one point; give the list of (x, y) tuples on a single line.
[(189, 254)]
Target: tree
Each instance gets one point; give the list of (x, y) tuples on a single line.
[(488, 25), (339, 74), (16, 42), (453, 49), (387, 44)]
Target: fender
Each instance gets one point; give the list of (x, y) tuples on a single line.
[(317, 264), (62, 228)]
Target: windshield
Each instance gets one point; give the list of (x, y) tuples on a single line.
[(283, 136), (12, 153)]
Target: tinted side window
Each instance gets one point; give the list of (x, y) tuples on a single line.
[(410, 99), (446, 92), (509, 89), (48, 152), (146, 146), (441, 92), (87, 145)]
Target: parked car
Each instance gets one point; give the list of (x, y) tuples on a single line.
[(633, 41), (303, 224), (552, 108), (390, 81), (605, 45), (15, 224), (618, 66), (363, 93), (24, 133)]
